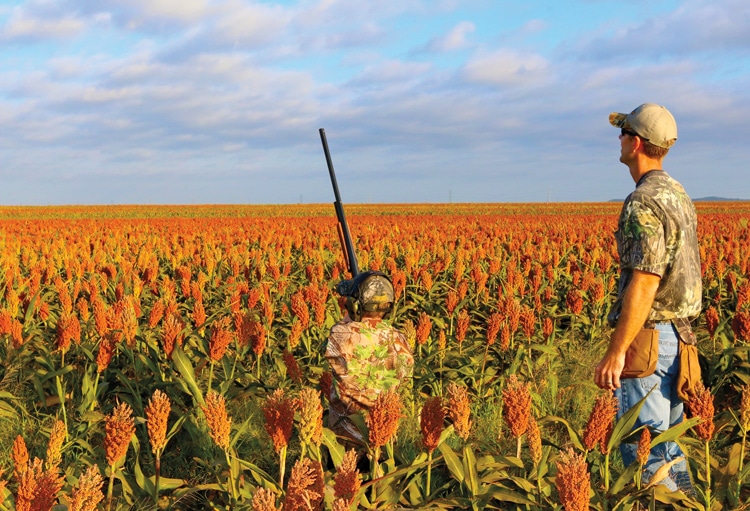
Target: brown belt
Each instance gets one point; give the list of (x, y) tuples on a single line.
[(652, 323)]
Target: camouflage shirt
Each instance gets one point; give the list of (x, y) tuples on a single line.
[(365, 361), (656, 233)]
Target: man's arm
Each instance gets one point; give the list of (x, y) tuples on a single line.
[(636, 305)]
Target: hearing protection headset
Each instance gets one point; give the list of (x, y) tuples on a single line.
[(369, 291)]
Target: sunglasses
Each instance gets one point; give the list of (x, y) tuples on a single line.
[(631, 133)]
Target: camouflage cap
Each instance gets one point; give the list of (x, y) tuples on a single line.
[(651, 122), (376, 290)]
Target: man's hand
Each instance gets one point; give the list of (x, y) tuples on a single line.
[(607, 375)]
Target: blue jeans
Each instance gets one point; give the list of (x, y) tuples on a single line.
[(661, 410)]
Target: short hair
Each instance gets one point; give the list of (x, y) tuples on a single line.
[(653, 151), (649, 149)]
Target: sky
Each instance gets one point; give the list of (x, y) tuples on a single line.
[(220, 101)]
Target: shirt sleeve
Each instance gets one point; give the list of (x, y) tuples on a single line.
[(642, 238)]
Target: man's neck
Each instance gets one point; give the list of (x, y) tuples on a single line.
[(642, 165)]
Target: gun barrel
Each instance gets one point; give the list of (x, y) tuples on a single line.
[(346, 239)]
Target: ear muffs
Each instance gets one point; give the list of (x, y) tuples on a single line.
[(356, 310), (353, 307)]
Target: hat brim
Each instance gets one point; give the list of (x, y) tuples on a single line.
[(618, 120)]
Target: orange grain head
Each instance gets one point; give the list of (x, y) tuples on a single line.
[(573, 481), (310, 416), (219, 422), (157, 415), (516, 405), (119, 429), (347, 480), (383, 418), (278, 412), (432, 422)]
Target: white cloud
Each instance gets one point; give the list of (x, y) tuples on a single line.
[(98, 95), (697, 26), (506, 67), (534, 27), (183, 10), (392, 71), (24, 25), (148, 16), (251, 23), (455, 39)]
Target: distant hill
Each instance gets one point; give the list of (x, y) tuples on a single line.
[(718, 199), (702, 199)]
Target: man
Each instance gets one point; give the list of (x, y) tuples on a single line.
[(660, 283), (366, 354)]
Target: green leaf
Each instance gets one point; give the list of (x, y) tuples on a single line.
[(626, 503), (169, 483), (549, 350), (624, 426), (500, 461), (176, 427), (185, 368), (29, 315), (447, 432), (664, 495), (414, 493), (143, 483), (507, 495), (7, 411), (52, 374), (87, 393), (729, 471), (470, 470), (452, 462), (675, 432), (239, 432), (572, 433), (336, 450), (626, 477)]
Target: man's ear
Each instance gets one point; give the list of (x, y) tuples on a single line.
[(638, 144)]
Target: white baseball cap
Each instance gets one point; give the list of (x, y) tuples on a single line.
[(651, 122)]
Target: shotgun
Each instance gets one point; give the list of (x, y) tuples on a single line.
[(343, 228)]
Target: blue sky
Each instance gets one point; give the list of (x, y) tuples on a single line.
[(202, 102)]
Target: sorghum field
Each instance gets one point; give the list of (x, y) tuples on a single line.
[(172, 358)]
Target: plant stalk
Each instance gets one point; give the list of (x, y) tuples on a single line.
[(96, 387), (111, 486), (282, 465), (374, 474), (156, 479), (481, 376), (742, 459), (428, 489), (232, 488), (708, 476), (518, 447), (61, 392), (606, 472)]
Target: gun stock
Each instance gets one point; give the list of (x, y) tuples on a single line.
[(343, 228)]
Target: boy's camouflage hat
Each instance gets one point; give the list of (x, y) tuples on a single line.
[(376, 289)]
